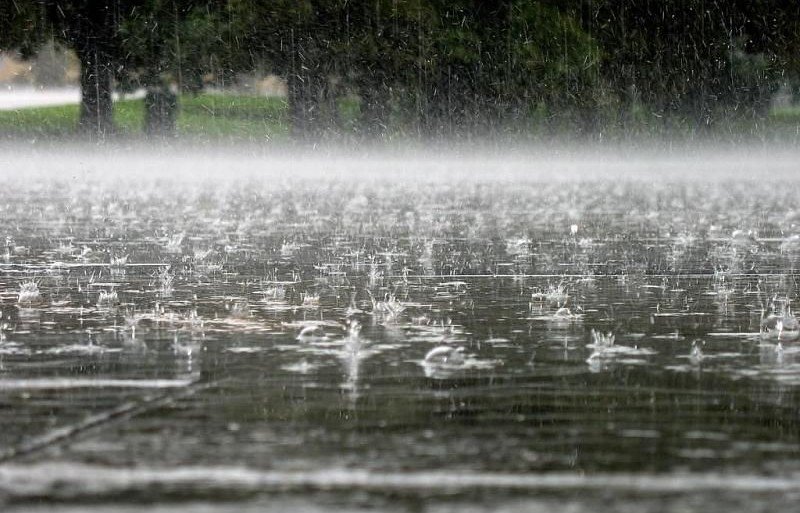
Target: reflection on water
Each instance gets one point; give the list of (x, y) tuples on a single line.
[(542, 337)]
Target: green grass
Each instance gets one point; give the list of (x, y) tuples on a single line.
[(251, 118), (209, 116), (786, 115), (221, 116), (45, 121)]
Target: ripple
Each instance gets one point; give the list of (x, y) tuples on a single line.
[(74, 480)]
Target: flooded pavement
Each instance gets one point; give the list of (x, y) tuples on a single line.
[(318, 344)]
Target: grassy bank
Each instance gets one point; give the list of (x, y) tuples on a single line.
[(210, 116), (227, 117)]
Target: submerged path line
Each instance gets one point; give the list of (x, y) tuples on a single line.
[(566, 276), (72, 383), (70, 480), (99, 420)]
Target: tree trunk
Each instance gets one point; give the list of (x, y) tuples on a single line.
[(298, 106), (304, 109), (375, 109), (161, 109), (96, 114)]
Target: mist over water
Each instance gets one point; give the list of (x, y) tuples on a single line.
[(507, 328), (192, 162)]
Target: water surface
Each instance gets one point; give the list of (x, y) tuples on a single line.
[(318, 343)]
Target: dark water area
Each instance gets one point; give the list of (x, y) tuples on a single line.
[(410, 345)]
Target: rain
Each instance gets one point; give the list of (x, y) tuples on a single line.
[(399, 255)]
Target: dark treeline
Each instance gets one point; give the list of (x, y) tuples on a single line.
[(433, 67)]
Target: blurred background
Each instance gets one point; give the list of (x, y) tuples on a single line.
[(401, 69)]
